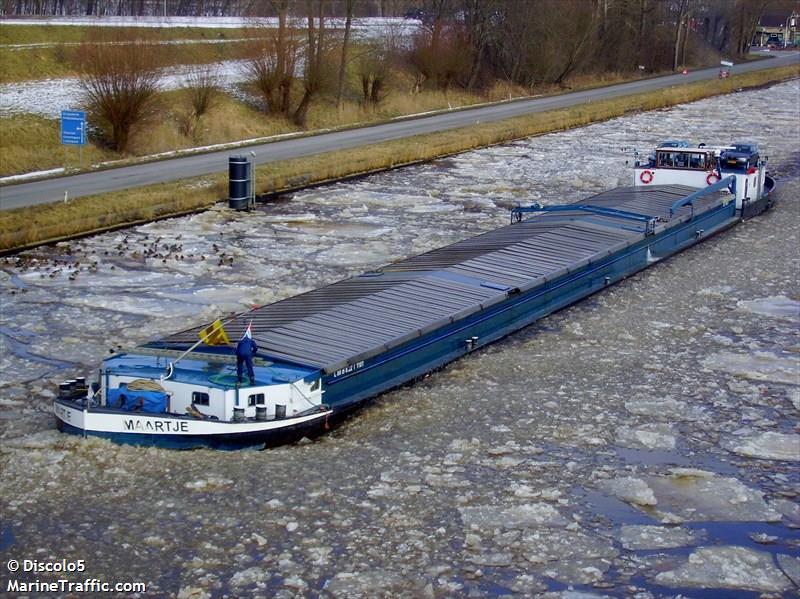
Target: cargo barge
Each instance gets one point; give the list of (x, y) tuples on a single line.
[(323, 353)]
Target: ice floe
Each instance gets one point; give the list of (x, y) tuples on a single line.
[(633, 490), (727, 567), (531, 514), (688, 495), (768, 446), (778, 306), (758, 366), (648, 436), (641, 536), (569, 557)]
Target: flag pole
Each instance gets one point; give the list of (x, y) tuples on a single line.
[(171, 365)]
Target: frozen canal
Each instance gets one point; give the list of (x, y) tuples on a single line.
[(643, 443)]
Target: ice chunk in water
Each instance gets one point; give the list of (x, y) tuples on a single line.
[(768, 446), (727, 567), (666, 408), (570, 557), (632, 490), (760, 366), (649, 436), (375, 583), (637, 537), (778, 306), (531, 514), (249, 576), (790, 566), (693, 495)]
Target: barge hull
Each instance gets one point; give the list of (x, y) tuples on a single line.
[(360, 337), (182, 433), (437, 349)]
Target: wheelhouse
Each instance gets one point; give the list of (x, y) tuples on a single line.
[(696, 159)]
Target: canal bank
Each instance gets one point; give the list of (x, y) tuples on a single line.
[(27, 227)]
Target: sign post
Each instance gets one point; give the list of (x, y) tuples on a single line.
[(73, 130)]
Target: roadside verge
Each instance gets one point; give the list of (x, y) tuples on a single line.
[(27, 227)]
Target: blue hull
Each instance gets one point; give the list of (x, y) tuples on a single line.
[(432, 351), (363, 336)]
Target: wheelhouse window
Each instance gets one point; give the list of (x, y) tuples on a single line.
[(199, 399), (256, 399), (691, 160), (697, 161), (666, 159), (315, 385)]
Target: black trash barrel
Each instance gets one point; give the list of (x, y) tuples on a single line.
[(239, 182)]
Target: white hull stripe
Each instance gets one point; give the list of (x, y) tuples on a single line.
[(148, 425)]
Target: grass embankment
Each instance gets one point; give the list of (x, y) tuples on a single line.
[(28, 226), (31, 143)]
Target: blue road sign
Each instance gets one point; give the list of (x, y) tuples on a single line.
[(73, 127)]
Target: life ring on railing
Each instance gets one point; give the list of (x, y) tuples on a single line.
[(712, 178), (646, 177)]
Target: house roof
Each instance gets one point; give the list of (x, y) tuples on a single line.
[(775, 18)]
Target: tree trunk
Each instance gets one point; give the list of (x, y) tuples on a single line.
[(678, 27), (343, 64), (301, 114)]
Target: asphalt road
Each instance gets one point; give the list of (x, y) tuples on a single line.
[(52, 190)]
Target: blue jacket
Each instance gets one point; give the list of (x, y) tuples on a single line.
[(246, 348)]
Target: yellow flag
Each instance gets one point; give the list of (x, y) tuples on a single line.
[(214, 334)]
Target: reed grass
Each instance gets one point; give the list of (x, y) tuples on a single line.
[(29, 226)]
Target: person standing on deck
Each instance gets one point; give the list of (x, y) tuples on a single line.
[(245, 350)]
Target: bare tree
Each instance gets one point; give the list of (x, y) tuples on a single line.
[(273, 60), (350, 6), (203, 92), (680, 25), (120, 82), (317, 71), (744, 16), (203, 85)]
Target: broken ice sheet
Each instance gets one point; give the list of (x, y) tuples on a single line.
[(633, 490), (688, 495), (374, 584), (768, 446), (532, 514), (758, 366), (778, 306), (664, 408), (567, 556), (639, 537), (790, 566), (728, 567), (648, 436)]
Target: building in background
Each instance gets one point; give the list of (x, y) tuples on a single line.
[(778, 29)]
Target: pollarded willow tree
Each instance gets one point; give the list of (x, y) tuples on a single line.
[(120, 78)]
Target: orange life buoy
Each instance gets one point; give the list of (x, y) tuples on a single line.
[(646, 177), (712, 178)]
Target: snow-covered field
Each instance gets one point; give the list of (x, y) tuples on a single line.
[(48, 97), (642, 443), (365, 24)]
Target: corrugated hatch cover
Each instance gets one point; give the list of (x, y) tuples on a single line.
[(355, 319)]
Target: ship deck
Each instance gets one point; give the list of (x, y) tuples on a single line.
[(357, 318)]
